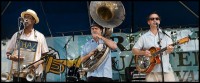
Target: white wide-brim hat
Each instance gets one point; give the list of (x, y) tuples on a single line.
[(32, 13)]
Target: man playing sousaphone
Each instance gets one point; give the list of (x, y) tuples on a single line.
[(32, 46), (104, 72), (96, 53)]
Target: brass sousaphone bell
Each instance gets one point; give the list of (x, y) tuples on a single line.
[(108, 14)]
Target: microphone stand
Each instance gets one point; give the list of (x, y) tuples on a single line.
[(166, 34), (18, 47), (44, 71), (66, 47), (159, 40)]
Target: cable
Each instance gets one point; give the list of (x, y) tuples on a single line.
[(46, 19), (6, 8), (189, 9)]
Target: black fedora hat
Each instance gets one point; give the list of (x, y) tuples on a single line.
[(95, 24)]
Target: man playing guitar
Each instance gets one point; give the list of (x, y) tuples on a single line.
[(151, 39)]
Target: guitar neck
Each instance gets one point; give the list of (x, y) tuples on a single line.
[(162, 50)]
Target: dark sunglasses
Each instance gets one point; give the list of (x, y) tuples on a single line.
[(154, 18)]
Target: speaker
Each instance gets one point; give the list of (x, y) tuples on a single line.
[(128, 73), (131, 74)]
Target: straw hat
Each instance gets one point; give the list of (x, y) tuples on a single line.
[(32, 13)]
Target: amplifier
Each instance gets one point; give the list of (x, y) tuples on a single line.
[(131, 74)]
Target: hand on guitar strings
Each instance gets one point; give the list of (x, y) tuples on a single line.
[(170, 48), (147, 53)]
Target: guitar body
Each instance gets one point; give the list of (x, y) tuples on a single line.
[(154, 59), (145, 64)]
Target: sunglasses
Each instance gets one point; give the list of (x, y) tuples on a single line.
[(154, 18)]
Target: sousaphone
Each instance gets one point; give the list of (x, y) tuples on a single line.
[(108, 14)]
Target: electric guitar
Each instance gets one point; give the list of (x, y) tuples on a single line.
[(145, 64)]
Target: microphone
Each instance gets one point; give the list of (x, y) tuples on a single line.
[(157, 24), (25, 21), (21, 20), (159, 30)]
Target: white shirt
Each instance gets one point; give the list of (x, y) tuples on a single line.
[(34, 36), (148, 40)]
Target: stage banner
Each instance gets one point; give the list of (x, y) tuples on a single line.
[(64, 54)]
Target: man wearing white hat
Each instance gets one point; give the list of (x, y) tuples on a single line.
[(30, 18)]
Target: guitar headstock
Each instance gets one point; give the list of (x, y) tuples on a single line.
[(184, 40)]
